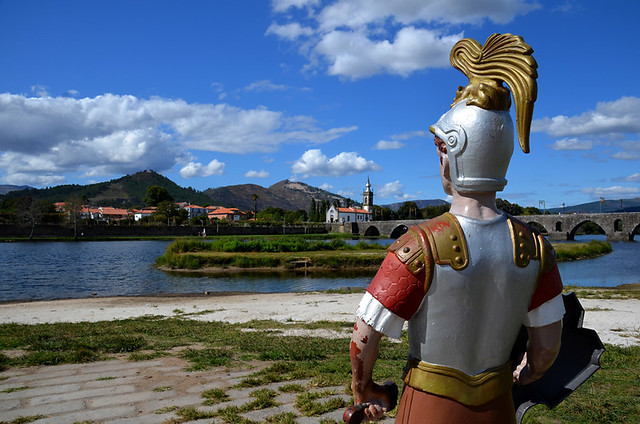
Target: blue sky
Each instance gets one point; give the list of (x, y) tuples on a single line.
[(330, 93)]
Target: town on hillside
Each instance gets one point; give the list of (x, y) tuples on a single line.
[(194, 213)]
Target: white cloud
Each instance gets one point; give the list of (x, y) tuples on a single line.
[(41, 180), (617, 117), (284, 5), (360, 38), (257, 174), (195, 169), (354, 55), (611, 192), (626, 156), (40, 90), (290, 32), (265, 85), (326, 186), (572, 144), (360, 13), (393, 190), (388, 145), (314, 163), (409, 135), (634, 177), (110, 134)]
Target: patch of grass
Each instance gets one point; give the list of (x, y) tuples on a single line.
[(146, 356), (191, 413), (263, 398), (166, 410), (631, 291), (292, 388), (14, 389), (214, 396), (106, 378), (575, 251), (282, 418), (24, 420), (205, 359), (310, 405), (269, 252), (162, 389)]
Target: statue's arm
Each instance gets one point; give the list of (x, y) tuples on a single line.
[(365, 342), (542, 350)]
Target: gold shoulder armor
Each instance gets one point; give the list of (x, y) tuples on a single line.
[(527, 243), (548, 255), (447, 241), (410, 250)]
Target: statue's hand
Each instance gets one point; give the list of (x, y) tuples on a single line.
[(521, 375), (379, 402), (372, 402)]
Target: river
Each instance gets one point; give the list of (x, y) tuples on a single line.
[(58, 270)]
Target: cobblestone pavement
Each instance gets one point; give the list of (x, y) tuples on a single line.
[(121, 391)]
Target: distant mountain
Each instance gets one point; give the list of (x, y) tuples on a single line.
[(608, 206), (288, 195), (4, 189), (127, 191), (421, 204)]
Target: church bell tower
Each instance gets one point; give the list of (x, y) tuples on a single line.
[(367, 198)]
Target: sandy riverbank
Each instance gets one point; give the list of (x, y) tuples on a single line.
[(616, 321)]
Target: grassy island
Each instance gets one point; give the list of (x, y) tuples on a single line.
[(268, 253), (292, 253)]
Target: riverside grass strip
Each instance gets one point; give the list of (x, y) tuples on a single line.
[(612, 395), (291, 253)]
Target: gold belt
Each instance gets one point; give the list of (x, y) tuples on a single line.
[(449, 382)]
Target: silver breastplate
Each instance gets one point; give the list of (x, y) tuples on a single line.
[(470, 318)]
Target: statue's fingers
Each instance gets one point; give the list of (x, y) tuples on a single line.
[(374, 412)]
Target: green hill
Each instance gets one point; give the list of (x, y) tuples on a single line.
[(127, 191)]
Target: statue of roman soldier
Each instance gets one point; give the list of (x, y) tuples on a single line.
[(467, 281)]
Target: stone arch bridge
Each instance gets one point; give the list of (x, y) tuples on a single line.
[(617, 226)]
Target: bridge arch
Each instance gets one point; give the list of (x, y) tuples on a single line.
[(372, 231), (558, 225), (574, 230), (398, 231)]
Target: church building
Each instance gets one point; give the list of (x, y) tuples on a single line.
[(345, 215)]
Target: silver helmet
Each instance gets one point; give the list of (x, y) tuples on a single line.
[(478, 130)]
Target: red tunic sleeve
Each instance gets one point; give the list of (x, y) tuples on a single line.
[(396, 288), (550, 286)]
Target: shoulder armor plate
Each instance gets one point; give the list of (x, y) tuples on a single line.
[(447, 241), (410, 250), (525, 243)]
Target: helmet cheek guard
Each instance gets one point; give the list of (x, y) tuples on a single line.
[(479, 146)]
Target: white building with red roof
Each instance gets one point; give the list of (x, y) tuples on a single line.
[(342, 215)]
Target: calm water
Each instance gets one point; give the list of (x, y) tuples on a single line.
[(54, 270)]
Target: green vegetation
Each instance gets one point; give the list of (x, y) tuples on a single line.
[(24, 420), (575, 251), (304, 253), (270, 252), (611, 396)]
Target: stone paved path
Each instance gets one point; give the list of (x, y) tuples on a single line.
[(123, 392)]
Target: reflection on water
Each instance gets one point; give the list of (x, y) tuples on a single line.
[(53, 270)]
